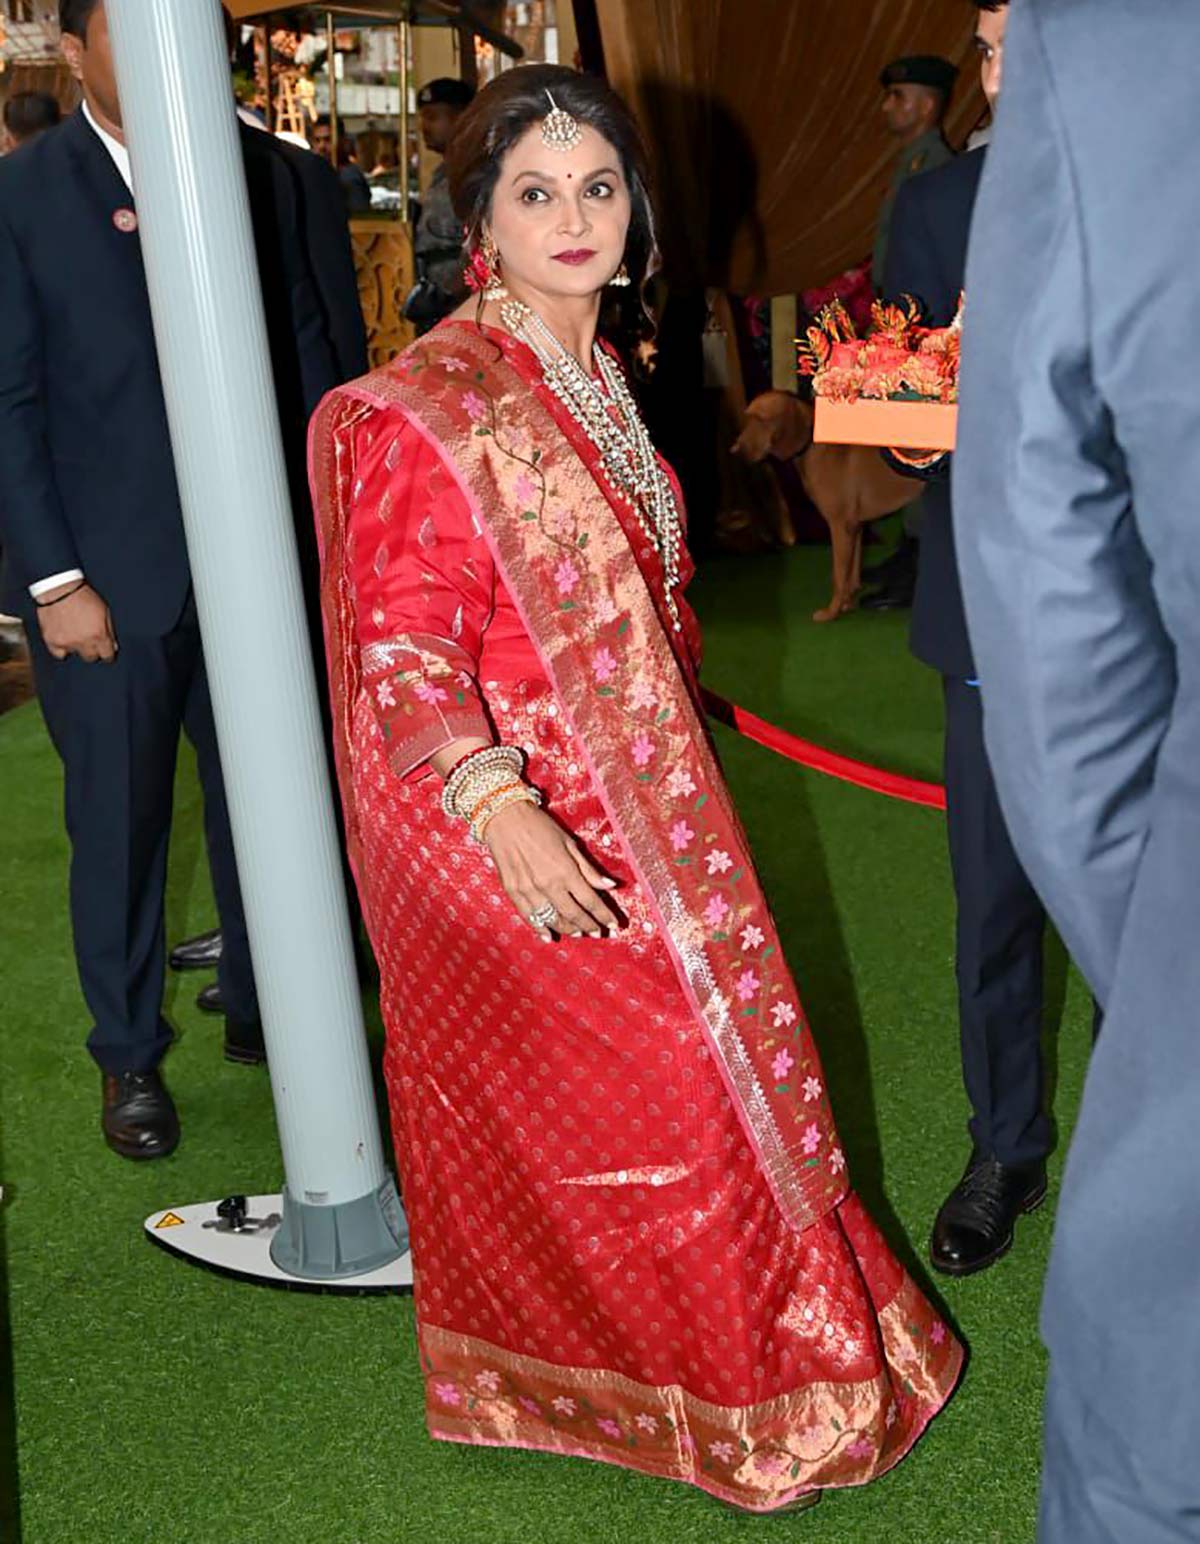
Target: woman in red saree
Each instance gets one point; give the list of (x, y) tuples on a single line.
[(633, 1231)]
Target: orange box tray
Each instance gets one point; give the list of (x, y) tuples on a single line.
[(906, 425)]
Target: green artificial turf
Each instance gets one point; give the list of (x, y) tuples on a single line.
[(156, 1402)]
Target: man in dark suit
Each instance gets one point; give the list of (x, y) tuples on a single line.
[(97, 564), (1001, 923), (1078, 548)]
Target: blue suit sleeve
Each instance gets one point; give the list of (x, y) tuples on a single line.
[(33, 526), (1077, 672)]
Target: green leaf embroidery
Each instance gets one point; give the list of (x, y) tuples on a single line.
[(782, 1088), (529, 514), (583, 540), (701, 802), (624, 628), (566, 605), (606, 691), (482, 432), (663, 716)]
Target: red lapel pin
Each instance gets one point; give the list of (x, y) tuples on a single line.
[(125, 220)]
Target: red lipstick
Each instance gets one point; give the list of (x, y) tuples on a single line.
[(575, 259)]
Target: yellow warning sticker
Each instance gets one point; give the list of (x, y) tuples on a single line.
[(168, 1220)]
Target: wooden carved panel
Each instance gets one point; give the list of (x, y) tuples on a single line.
[(383, 257)]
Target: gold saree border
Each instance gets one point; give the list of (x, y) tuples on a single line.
[(826, 1435)]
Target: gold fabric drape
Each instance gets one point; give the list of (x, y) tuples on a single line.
[(764, 124)]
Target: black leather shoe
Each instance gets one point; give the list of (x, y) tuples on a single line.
[(975, 1226), (138, 1116), (900, 564), (200, 953), (244, 1042), (896, 596), (210, 1000)]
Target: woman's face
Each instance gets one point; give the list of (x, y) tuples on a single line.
[(560, 218)]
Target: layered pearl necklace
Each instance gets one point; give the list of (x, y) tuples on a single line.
[(608, 415)]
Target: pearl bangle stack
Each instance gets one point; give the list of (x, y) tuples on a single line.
[(484, 783)]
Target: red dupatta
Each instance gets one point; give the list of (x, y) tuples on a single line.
[(563, 546)]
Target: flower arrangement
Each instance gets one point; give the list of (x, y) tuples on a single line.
[(899, 360)]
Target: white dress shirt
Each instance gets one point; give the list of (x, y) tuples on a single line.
[(120, 157)]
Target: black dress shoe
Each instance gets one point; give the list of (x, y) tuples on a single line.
[(899, 564), (138, 1116), (894, 596), (975, 1226), (244, 1042), (200, 953), (210, 999)]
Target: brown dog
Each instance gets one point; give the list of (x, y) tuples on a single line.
[(849, 484)]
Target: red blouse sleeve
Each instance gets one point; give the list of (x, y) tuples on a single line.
[(424, 588)]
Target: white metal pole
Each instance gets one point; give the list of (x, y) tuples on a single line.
[(340, 1215)]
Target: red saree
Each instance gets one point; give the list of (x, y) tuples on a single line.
[(632, 1229)]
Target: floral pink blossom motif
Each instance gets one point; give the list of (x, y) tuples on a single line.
[(861, 1447), (784, 1015), (566, 576), (723, 1452), (448, 1393), (812, 1089), (489, 1382), (430, 693), (719, 862), (642, 750), (682, 835), (609, 1428), (530, 1404), (641, 695), (938, 1333), (837, 1160), (604, 665), (679, 783), (564, 1406), (384, 694), (752, 938), (746, 986), (474, 406), (771, 1463), (647, 1423), (716, 911), (783, 1064), (811, 1138), (526, 490), (605, 610), (454, 365)]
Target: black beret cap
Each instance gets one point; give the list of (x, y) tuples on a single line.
[(921, 70), (447, 92)]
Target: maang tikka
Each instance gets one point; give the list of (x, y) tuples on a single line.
[(559, 130)]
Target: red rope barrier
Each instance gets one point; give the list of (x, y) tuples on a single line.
[(816, 757)]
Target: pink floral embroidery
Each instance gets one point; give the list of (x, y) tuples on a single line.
[(647, 1423), (385, 695), (609, 1428), (681, 835), (604, 665), (489, 1382), (687, 1442), (447, 1393), (719, 862), (723, 1452), (753, 938), (679, 783), (812, 1089), (526, 490), (892, 1416), (430, 693), (641, 695), (605, 611), (564, 1406), (837, 1160), (784, 1015), (566, 576), (861, 1447), (454, 365), (938, 1333), (771, 1463), (746, 986), (811, 1139), (783, 1064), (474, 406), (530, 1404), (642, 749), (716, 911)]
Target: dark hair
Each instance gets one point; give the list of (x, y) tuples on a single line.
[(507, 108), (74, 15), (27, 113), (989, 5)]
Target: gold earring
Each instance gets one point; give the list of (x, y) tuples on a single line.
[(494, 289), (621, 278)]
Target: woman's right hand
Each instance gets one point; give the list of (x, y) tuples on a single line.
[(540, 864)]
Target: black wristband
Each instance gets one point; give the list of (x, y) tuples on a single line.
[(43, 604)]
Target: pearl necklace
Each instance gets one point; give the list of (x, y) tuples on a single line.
[(608, 415)]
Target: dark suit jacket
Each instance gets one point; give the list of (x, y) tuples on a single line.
[(87, 478), (927, 259)]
